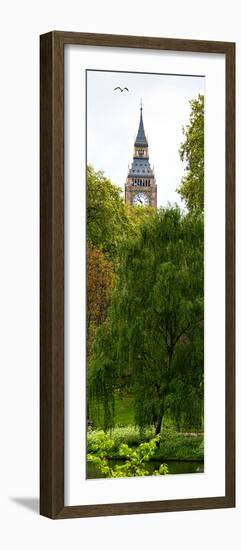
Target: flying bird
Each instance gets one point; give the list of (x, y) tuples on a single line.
[(121, 89)]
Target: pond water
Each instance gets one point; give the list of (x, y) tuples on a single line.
[(174, 467)]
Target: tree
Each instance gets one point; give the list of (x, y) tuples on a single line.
[(107, 217), (100, 276), (192, 153), (156, 313), (186, 388), (109, 222)]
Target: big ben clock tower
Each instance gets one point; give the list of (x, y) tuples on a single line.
[(140, 186)]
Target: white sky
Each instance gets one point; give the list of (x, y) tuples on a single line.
[(113, 120)]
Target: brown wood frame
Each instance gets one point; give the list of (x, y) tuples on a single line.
[(52, 274)]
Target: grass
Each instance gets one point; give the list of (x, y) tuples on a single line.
[(173, 446), (124, 413)]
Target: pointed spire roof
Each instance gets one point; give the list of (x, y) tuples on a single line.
[(141, 136)]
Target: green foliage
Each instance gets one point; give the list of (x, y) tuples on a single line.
[(135, 458), (153, 336), (148, 341), (101, 378), (100, 280), (107, 216), (187, 386), (128, 434), (101, 444), (178, 446), (139, 215), (172, 445), (192, 152), (109, 220)]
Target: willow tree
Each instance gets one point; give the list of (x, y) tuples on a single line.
[(192, 153), (100, 278), (156, 313)]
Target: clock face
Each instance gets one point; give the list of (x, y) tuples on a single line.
[(141, 199)]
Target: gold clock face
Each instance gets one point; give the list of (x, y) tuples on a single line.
[(141, 199)]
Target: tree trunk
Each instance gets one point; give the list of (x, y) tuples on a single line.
[(158, 424), (178, 426)]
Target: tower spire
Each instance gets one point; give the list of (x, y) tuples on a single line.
[(141, 136)]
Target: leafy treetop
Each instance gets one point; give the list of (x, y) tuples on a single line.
[(192, 152)]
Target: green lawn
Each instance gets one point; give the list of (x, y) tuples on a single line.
[(124, 413)]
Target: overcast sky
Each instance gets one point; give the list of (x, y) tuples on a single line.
[(113, 120)]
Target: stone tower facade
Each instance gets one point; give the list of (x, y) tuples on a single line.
[(140, 186)]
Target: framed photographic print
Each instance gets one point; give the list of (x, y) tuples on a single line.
[(137, 143)]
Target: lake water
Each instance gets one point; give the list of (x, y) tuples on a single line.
[(174, 467)]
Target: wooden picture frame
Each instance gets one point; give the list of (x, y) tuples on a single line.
[(52, 274)]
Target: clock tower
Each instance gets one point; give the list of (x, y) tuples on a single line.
[(140, 186)]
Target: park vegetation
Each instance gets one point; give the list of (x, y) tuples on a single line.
[(145, 321)]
